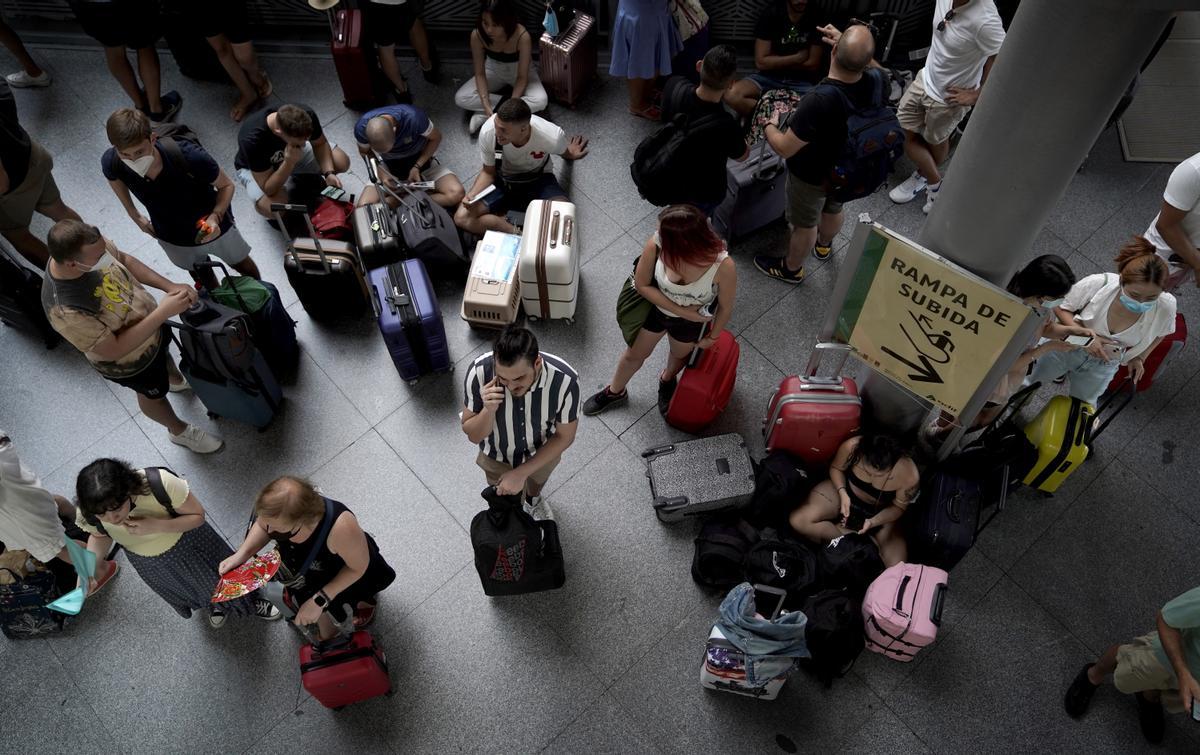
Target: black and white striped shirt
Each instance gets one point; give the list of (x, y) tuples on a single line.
[(524, 424)]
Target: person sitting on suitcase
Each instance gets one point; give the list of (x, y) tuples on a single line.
[(872, 481), (524, 142), (1160, 669), (185, 192), (95, 297), (1126, 315), (332, 569), (684, 269), (506, 391), (277, 144), (405, 141)]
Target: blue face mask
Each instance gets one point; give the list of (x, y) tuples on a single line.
[(1139, 307), (1052, 303)]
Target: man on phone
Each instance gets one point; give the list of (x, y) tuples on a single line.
[(1159, 668), (278, 144), (522, 408)]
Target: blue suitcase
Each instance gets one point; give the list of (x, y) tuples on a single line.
[(409, 319), (253, 402)]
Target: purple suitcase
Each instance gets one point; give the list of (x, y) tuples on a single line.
[(409, 319)]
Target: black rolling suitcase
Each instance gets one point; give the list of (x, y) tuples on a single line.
[(325, 273), (21, 300)]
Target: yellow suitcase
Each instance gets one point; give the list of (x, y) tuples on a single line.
[(1060, 433)]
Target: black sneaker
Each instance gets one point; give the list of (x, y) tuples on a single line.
[(171, 102), (665, 392), (822, 251), (266, 610), (777, 269), (1079, 694), (604, 400), (1150, 716)]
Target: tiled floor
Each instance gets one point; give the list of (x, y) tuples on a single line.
[(609, 663)]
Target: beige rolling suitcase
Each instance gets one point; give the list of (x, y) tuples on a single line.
[(549, 268), (493, 293)]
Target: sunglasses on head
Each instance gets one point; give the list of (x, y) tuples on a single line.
[(942, 24)]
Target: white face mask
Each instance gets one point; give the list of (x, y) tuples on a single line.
[(105, 261), (141, 166)]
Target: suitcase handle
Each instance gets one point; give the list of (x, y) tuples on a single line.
[(939, 601), (899, 607), (279, 208), (814, 361), (568, 226), (212, 265), (650, 453), (554, 219)]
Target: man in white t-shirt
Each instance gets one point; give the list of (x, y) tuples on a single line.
[(967, 35), (523, 142), (1175, 231)]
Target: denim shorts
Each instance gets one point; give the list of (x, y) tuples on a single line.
[(516, 197), (1087, 377)]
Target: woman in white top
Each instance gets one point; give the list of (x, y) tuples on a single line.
[(683, 269), (502, 51), (1126, 313)]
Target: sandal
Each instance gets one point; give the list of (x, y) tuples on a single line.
[(363, 616), (112, 572), (267, 89), (650, 113)]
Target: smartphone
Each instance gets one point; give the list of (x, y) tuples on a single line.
[(768, 601), (856, 520), (334, 192), (1195, 709), (1080, 341), (487, 190)]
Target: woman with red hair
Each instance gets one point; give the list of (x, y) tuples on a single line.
[(684, 269)]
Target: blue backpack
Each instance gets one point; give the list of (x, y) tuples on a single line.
[(874, 141)]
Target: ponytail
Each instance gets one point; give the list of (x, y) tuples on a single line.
[(1138, 262)]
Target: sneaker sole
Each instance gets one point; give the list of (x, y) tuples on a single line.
[(769, 274), (606, 407), (904, 201), (185, 445)]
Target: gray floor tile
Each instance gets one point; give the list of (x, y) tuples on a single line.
[(1162, 454), (884, 733), (602, 728), (788, 330), (1131, 218)]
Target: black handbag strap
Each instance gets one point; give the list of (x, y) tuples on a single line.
[(319, 540)]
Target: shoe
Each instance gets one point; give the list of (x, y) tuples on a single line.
[(21, 80), (930, 196), (266, 610), (114, 567), (363, 616), (1150, 716), (216, 619), (604, 400), (665, 392), (822, 251), (538, 508), (197, 440), (776, 268), (178, 387), (1059, 380), (433, 75), (476, 123), (908, 190), (402, 98), (1079, 694), (171, 102)]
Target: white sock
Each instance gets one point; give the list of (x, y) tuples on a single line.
[(933, 187)]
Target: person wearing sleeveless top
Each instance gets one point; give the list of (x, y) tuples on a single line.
[(502, 52), (345, 570), (683, 269), (872, 480)]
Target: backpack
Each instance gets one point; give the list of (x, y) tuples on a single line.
[(721, 549), (833, 633), (852, 562), (781, 484), (217, 343), (27, 586), (157, 489), (788, 564), (874, 141), (514, 553), (661, 157)]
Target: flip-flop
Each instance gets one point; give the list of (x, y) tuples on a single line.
[(267, 89), (111, 573), (650, 113)]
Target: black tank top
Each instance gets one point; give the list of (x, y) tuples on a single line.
[(504, 57), (326, 564), (879, 498)]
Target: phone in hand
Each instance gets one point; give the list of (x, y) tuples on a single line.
[(1080, 341), (1195, 708), (768, 601), (855, 520), (333, 192)]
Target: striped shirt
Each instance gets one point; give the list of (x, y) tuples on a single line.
[(524, 424)]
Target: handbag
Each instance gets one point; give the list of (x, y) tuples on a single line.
[(632, 308), (689, 16), (331, 219)]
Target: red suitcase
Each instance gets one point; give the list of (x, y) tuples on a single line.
[(568, 62), (354, 57), (705, 385), (811, 416), (1163, 352), (345, 670)]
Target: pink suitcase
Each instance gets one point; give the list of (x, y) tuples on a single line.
[(902, 610)]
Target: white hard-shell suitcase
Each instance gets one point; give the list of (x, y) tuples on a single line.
[(549, 268)]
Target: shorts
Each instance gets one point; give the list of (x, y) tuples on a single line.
[(122, 23), (518, 196), (1087, 376), (684, 331), (386, 24), (1180, 272), (1140, 670), (807, 202), (218, 17), (766, 83), (400, 168), (229, 247), (307, 165), (493, 469), (37, 192), (153, 381), (918, 112)]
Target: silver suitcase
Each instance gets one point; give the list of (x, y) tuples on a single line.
[(697, 477), (756, 194)]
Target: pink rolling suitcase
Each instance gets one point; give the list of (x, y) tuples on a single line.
[(811, 416), (902, 610)]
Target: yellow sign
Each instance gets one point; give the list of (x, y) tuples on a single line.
[(925, 322)]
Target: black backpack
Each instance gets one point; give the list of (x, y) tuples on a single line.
[(833, 633), (1002, 443), (514, 553), (661, 158), (157, 489), (789, 564), (852, 562), (721, 549), (781, 484)]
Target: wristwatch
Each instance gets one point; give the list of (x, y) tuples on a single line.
[(328, 173), (321, 599)]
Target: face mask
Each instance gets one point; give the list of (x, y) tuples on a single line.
[(1052, 303), (1140, 307), (141, 166), (105, 261)]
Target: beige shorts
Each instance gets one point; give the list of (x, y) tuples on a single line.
[(1140, 670), (493, 469), (36, 192), (918, 112)]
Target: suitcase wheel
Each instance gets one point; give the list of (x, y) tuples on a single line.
[(411, 383), (340, 707), (570, 321)]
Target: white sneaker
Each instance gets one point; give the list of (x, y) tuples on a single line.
[(909, 189), (930, 196), (539, 508), (20, 79), (197, 440), (179, 387), (476, 123)]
